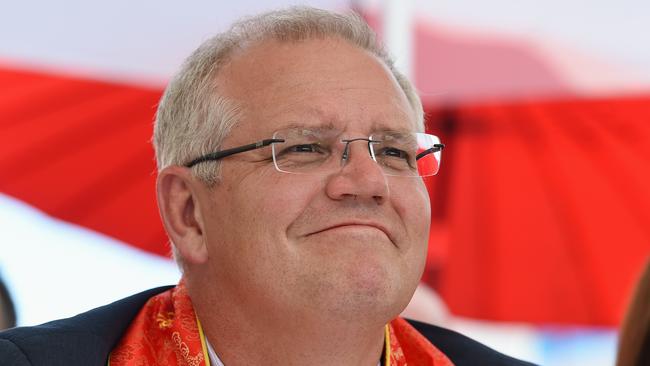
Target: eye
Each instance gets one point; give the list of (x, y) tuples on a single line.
[(304, 148), (394, 153)]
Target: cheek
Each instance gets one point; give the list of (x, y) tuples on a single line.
[(274, 202), (414, 207), (425, 202)]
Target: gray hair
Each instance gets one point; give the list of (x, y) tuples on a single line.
[(193, 119)]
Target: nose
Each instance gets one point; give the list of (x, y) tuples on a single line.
[(360, 177)]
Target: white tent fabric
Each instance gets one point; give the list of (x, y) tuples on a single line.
[(54, 269)]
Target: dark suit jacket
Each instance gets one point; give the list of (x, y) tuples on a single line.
[(88, 338)]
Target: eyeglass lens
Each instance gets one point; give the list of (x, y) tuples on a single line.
[(320, 151)]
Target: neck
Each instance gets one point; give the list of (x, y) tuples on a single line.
[(243, 334)]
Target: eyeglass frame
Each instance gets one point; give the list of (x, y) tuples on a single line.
[(218, 155)]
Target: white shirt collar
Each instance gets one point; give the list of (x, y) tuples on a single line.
[(214, 359)]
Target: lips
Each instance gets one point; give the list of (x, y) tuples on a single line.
[(374, 225)]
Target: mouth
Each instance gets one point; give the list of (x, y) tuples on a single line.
[(356, 225)]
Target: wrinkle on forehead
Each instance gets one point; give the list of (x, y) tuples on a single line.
[(280, 65), (311, 115), (321, 80)]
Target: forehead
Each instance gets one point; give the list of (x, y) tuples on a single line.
[(314, 82)]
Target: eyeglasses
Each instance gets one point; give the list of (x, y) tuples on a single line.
[(311, 151)]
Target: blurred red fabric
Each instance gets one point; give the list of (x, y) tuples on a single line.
[(543, 208), (79, 150)]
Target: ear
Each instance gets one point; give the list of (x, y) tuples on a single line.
[(179, 204)]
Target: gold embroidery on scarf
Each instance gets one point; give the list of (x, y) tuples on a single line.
[(183, 352), (397, 354), (165, 320)]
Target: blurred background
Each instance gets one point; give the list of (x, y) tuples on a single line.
[(541, 211)]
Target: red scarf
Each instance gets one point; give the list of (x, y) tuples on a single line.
[(167, 332)]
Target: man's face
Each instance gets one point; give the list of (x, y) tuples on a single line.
[(351, 242)]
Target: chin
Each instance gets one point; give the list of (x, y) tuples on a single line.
[(357, 281), (374, 292)]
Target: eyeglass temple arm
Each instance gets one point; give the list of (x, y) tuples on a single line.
[(236, 150), (435, 148)]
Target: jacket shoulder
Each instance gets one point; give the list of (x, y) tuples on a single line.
[(85, 339), (11, 355), (463, 350)]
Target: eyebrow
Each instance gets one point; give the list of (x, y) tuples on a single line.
[(327, 126), (325, 122)]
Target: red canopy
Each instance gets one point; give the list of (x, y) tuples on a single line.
[(79, 150), (543, 208)]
